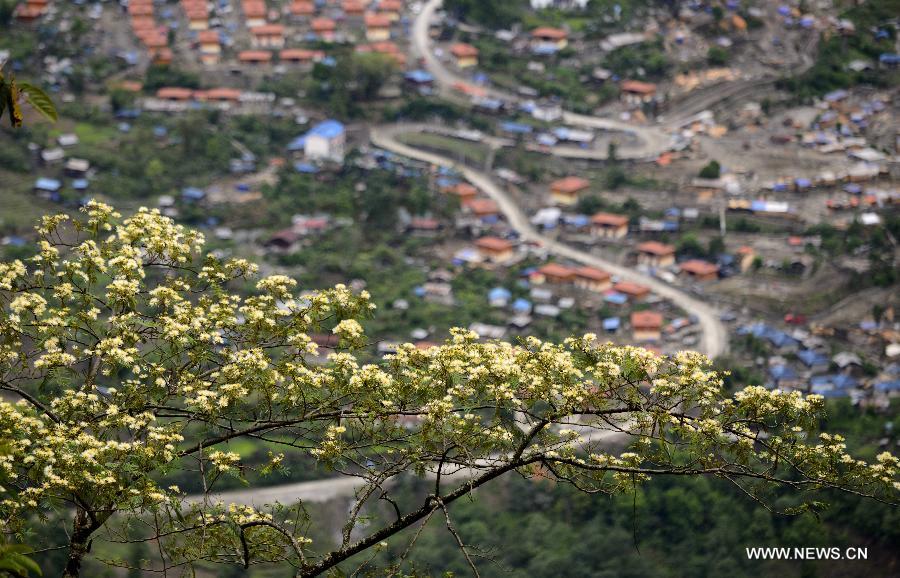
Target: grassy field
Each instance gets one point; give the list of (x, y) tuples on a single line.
[(470, 152), (20, 208)]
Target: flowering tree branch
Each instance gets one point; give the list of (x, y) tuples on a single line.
[(135, 355)]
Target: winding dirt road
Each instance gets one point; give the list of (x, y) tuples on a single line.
[(653, 139), (714, 341)]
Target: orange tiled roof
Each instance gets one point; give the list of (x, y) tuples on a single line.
[(609, 220), (493, 244), (255, 56), (548, 32), (570, 185), (646, 320), (462, 50), (656, 248)]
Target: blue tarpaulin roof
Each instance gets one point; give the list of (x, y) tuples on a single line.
[(885, 386), (419, 76), (811, 358), (521, 305), (193, 194), (46, 184), (516, 127), (498, 293), (781, 372), (616, 298), (306, 168), (837, 381), (576, 220), (826, 392), (545, 49), (326, 129), (611, 323)]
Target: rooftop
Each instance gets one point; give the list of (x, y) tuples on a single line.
[(656, 248), (570, 185), (646, 320)]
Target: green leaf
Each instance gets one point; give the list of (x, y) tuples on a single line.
[(39, 100), (28, 564)]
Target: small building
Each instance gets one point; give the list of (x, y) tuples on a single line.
[(283, 241), (302, 8), (494, 249), (465, 192), (229, 95), (546, 36), (254, 13), (67, 139), (390, 8), (424, 226), (324, 28), (635, 92), (53, 155), (699, 270), (592, 279), (609, 225), (466, 55), (300, 56), (77, 168), (499, 297), (324, 141), (28, 12), (421, 79), (267, 36), (646, 325), (197, 14), (209, 42), (553, 273), (566, 191), (255, 57), (353, 7), (378, 27), (633, 291), (45, 186), (655, 254), (174, 94), (482, 208)]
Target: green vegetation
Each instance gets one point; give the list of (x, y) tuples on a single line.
[(511, 72), (717, 56), (162, 75), (876, 241), (493, 15), (342, 89), (830, 70), (639, 61), (460, 150), (712, 170), (670, 527)]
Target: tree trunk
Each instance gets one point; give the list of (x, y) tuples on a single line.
[(79, 543)]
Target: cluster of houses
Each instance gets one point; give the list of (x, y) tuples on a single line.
[(544, 41), (372, 25), (806, 360), (152, 36), (63, 174)]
